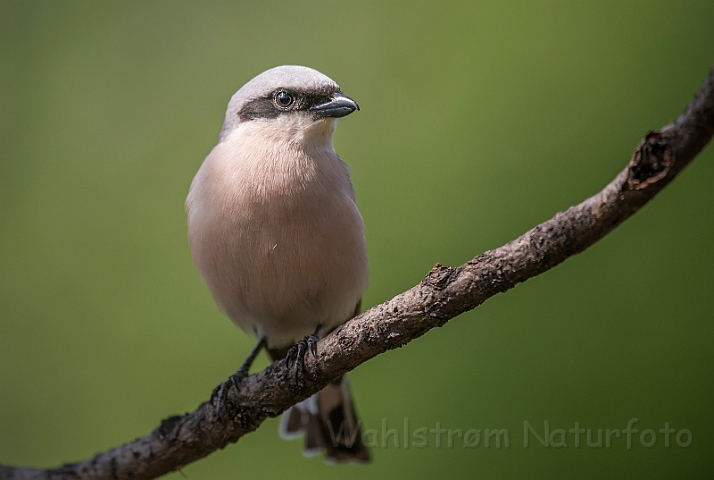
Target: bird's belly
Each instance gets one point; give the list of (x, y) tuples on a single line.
[(281, 271)]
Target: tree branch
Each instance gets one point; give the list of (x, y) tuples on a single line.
[(445, 293)]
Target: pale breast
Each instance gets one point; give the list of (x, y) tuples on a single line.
[(278, 240)]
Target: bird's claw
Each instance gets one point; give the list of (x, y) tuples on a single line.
[(296, 354), (221, 391), (311, 341)]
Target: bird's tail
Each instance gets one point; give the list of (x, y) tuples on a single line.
[(329, 423)]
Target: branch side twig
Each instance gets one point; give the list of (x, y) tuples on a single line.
[(445, 293)]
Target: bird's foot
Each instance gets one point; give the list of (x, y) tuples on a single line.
[(296, 354), (235, 380), (221, 391)]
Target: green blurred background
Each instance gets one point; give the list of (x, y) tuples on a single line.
[(479, 120)]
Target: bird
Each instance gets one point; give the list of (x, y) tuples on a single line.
[(276, 235)]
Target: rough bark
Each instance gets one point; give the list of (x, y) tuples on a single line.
[(445, 293)]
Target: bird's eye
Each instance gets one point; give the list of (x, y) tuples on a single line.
[(283, 99)]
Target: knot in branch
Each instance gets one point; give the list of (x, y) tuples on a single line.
[(651, 161)]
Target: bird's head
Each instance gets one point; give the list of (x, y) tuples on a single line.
[(288, 104)]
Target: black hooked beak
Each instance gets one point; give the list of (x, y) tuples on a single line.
[(338, 106)]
